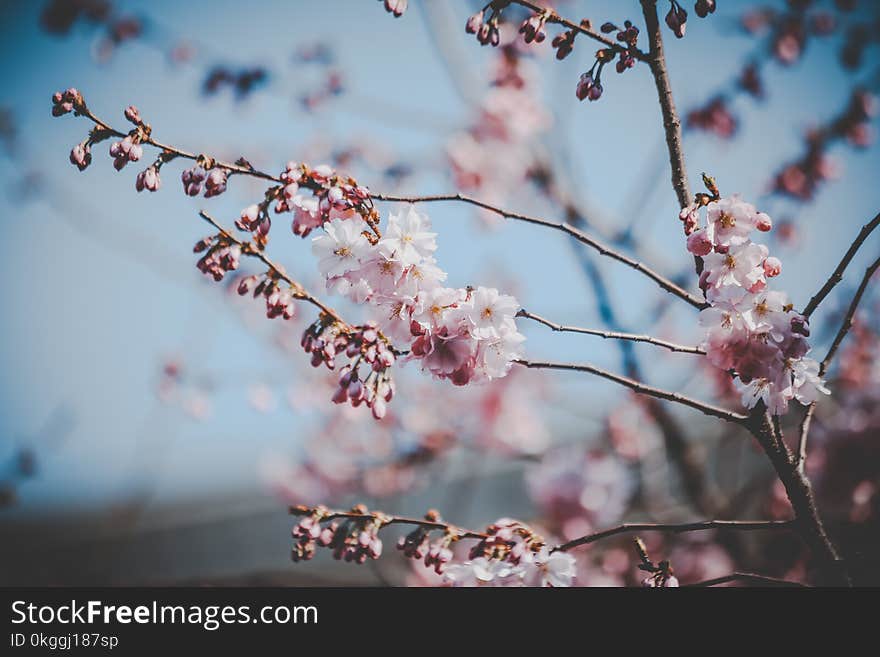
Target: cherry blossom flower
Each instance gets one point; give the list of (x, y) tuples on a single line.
[(730, 221), (483, 572), (338, 250), (557, 569), (751, 331), (490, 312), (407, 238)]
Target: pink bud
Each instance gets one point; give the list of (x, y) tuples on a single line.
[(379, 408), (763, 222), (772, 267), (699, 243), (473, 23)]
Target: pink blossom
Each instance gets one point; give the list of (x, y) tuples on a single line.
[(148, 179), (81, 156), (699, 243)]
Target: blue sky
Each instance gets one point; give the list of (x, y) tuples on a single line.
[(100, 285)]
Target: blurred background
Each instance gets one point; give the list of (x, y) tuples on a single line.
[(154, 426)]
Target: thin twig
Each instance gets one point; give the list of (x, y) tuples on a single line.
[(803, 433), (845, 326), (178, 152), (641, 388), (761, 580), (850, 313), (662, 281), (567, 228), (299, 292), (612, 335), (553, 17), (837, 275), (671, 120), (449, 528), (739, 525)]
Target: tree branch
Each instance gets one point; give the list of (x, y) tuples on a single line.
[(837, 274), (850, 313), (449, 528), (761, 580), (299, 292), (671, 121), (845, 326), (659, 393), (612, 335), (567, 228), (662, 281), (739, 525), (553, 17)]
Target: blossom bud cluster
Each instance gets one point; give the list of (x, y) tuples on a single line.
[(279, 297), (64, 102), (801, 179), (196, 178), (589, 85), (418, 545), (486, 28), (314, 196), (221, 256), (366, 379), (751, 330), (351, 538), (511, 554), (461, 334)]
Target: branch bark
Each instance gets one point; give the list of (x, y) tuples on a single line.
[(837, 274), (641, 388), (612, 335), (671, 121), (564, 227)]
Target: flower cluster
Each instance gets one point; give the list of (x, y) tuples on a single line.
[(579, 491), (752, 331), (494, 156), (418, 545), (676, 17), (800, 179), (64, 102), (351, 538), (279, 297), (221, 256), (460, 334), (590, 83), (511, 554), (715, 117), (366, 348), (486, 28), (204, 175)]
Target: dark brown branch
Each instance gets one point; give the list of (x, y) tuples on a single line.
[(567, 228), (662, 281), (850, 313), (236, 168), (800, 494), (449, 528), (845, 326), (299, 292), (739, 525), (671, 121), (640, 388), (803, 434), (553, 17), (612, 335), (837, 275), (752, 578)]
